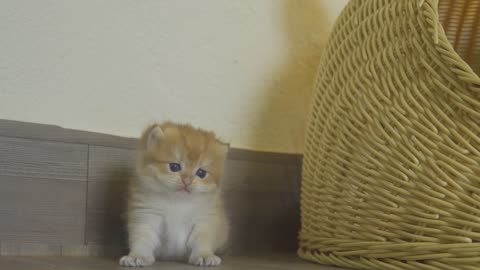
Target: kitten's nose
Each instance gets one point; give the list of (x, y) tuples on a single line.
[(187, 180)]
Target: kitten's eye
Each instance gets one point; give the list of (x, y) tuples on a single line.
[(201, 173), (175, 167)]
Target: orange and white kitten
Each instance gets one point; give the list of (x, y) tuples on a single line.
[(175, 209)]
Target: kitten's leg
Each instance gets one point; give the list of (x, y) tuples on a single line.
[(203, 242), (144, 238)]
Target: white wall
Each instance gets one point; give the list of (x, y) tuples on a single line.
[(243, 68)]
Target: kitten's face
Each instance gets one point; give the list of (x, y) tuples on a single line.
[(182, 159)]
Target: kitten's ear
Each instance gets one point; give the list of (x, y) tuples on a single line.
[(155, 136)]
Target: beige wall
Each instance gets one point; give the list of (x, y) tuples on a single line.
[(242, 68)]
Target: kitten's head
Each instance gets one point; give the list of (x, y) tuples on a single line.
[(182, 159)]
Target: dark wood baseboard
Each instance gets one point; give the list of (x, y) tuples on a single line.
[(62, 192)]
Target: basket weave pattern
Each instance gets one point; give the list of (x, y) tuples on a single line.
[(391, 172)]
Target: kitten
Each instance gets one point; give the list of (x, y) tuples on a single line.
[(175, 209)]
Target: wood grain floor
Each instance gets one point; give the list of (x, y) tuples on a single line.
[(265, 262)]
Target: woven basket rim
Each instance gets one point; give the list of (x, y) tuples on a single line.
[(444, 47)]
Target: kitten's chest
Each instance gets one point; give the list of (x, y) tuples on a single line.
[(177, 225)]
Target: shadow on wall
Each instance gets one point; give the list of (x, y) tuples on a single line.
[(107, 206), (306, 27)]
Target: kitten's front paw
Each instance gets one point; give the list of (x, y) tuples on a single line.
[(210, 260), (136, 261)]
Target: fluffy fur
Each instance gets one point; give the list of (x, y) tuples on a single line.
[(177, 215)]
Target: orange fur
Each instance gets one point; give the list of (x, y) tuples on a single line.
[(177, 214), (192, 147)]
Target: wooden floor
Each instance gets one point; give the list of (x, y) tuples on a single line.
[(96, 263)]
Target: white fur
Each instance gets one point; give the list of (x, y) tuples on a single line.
[(171, 225)]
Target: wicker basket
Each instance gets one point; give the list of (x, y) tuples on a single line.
[(391, 174)]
